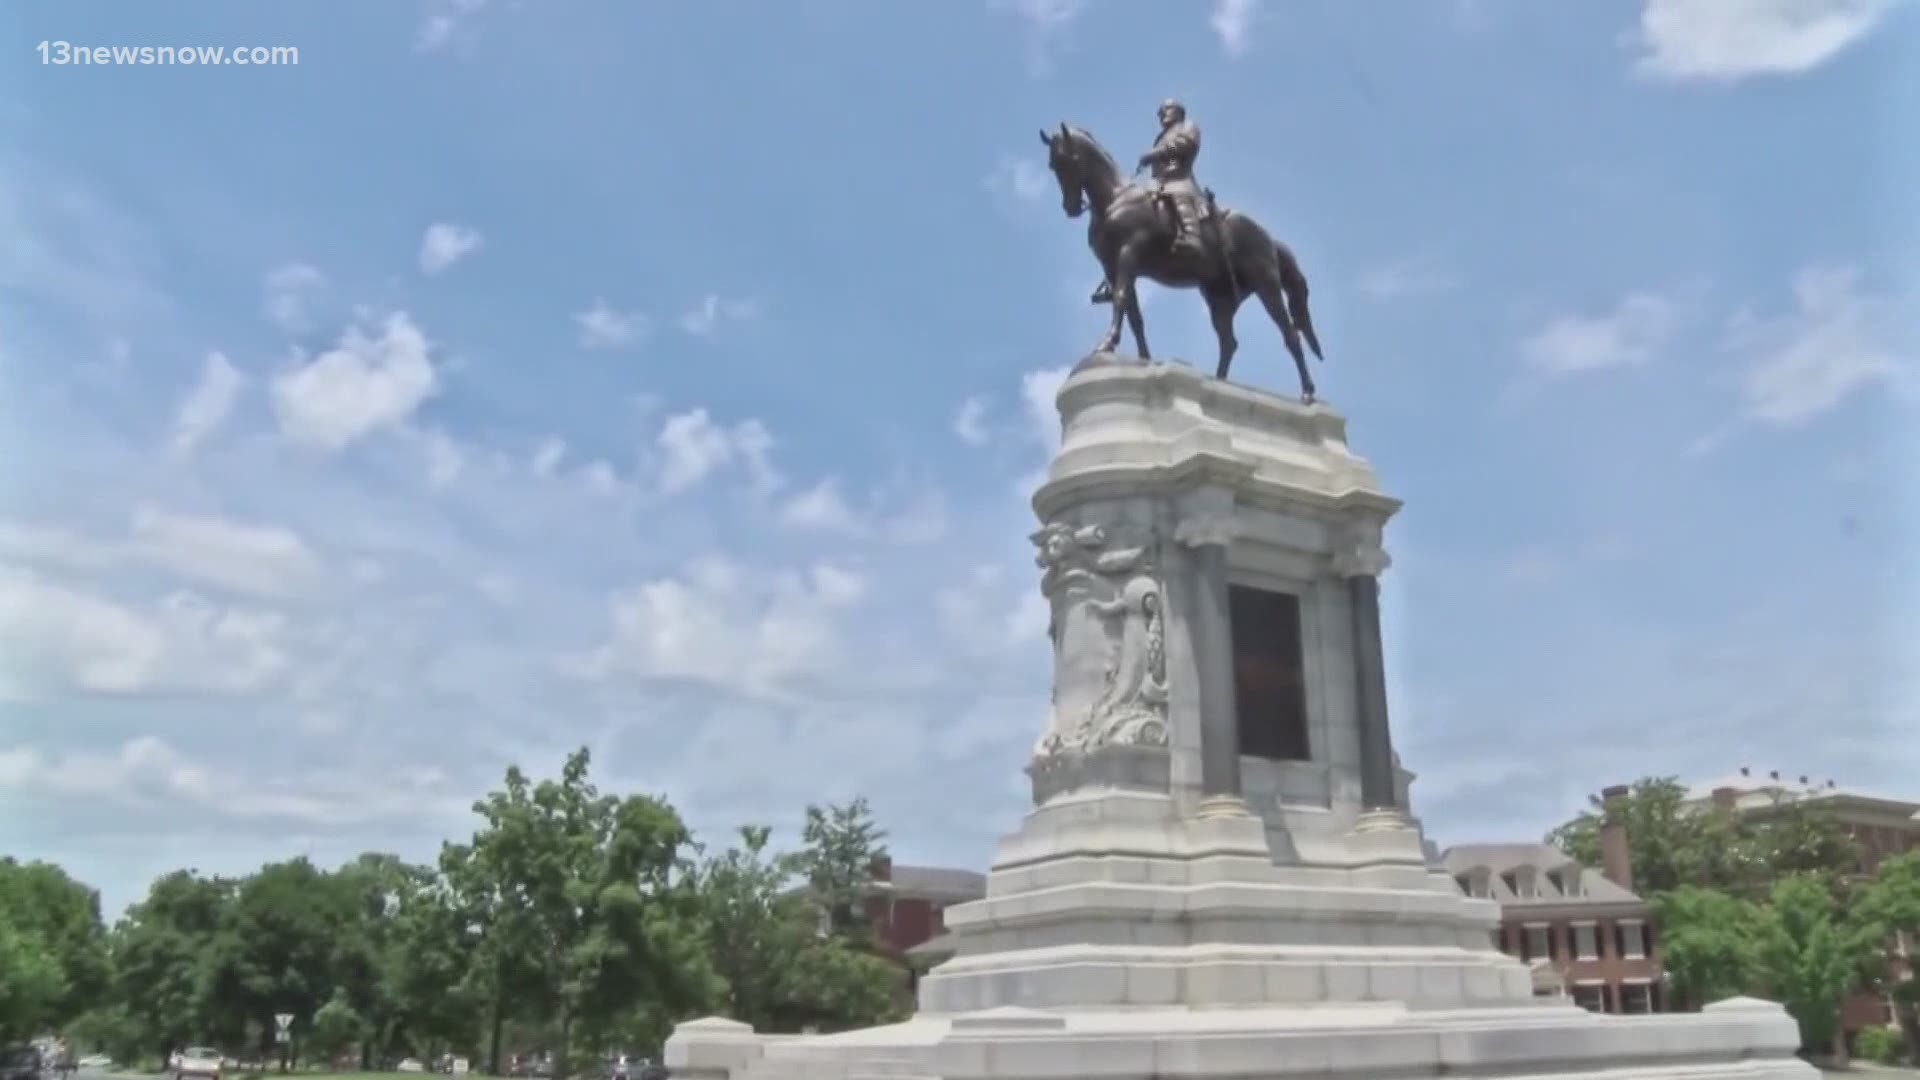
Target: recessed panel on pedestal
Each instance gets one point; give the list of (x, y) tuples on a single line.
[(1269, 669)]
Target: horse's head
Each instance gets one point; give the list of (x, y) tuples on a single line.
[(1067, 157)]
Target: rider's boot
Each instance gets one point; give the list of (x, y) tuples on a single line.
[(1102, 293)]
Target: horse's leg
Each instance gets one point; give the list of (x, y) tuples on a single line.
[(1125, 266), (1139, 325), (1274, 300), (1221, 305)]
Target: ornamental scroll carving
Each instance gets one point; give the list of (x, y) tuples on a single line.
[(1109, 640)]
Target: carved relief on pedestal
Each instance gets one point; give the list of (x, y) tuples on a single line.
[(1109, 640)]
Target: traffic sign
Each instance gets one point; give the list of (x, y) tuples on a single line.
[(283, 1022)]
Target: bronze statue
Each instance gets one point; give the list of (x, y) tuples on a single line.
[(1170, 231), (1174, 189)]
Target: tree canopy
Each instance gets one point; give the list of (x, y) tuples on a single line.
[(571, 922)]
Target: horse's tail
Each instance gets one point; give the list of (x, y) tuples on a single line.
[(1294, 284)]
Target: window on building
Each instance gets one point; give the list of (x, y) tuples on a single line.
[(1633, 944), (1538, 946), (1636, 998), (1590, 996), (1586, 942), (1269, 673)]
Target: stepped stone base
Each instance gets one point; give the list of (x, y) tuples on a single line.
[(1120, 940), (1741, 1038)]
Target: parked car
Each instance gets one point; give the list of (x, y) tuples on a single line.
[(411, 1065), (21, 1061), (203, 1062), (96, 1062)]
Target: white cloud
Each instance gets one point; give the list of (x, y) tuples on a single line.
[(970, 422), (720, 625), (1021, 180), (207, 405), (1046, 21), (56, 638), (692, 447), (705, 317), (1628, 335), (443, 22), (1412, 276), (1232, 23), (260, 560), (289, 289), (1038, 389), (601, 327), (497, 587), (444, 244), (822, 507), (1804, 363), (445, 459), (1727, 40), (988, 615), (149, 775), (361, 385), (546, 456), (255, 560)]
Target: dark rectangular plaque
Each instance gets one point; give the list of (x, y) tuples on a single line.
[(1269, 673)]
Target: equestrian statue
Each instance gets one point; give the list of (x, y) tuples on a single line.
[(1170, 229)]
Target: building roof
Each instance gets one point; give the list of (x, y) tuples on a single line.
[(1533, 875), (937, 883), (1756, 789)]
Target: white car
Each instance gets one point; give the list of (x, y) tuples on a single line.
[(95, 1061), (411, 1065), (197, 1061)]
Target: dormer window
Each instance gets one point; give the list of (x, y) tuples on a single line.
[(1526, 882)]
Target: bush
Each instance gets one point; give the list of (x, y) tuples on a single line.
[(1881, 1045)]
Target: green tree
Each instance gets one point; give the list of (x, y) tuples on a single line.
[(1808, 958), (1887, 908), (159, 950), (1671, 844), (1708, 943), (780, 972), (32, 988), (45, 905), (381, 889), (337, 1027), (842, 844), (599, 887), (430, 972), (277, 951)]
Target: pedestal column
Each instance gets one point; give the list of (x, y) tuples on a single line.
[(1206, 532), (1361, 561)]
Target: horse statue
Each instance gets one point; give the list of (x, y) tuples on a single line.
[(1233, 257)]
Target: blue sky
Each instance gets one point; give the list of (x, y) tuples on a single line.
[(670, 379)]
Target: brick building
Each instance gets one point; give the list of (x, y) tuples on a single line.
[(906, 904), (1880, 825), (1585, 932)]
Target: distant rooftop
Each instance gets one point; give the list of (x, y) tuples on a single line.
[(1754, 788), (1536, 875), (938, 883)]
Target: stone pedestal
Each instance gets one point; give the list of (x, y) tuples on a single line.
[(1174, 907)]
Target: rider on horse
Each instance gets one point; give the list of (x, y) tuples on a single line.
[(1174, 189)]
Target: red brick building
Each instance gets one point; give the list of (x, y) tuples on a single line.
[(1585, 932), (906, 904), (1882, 826)]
